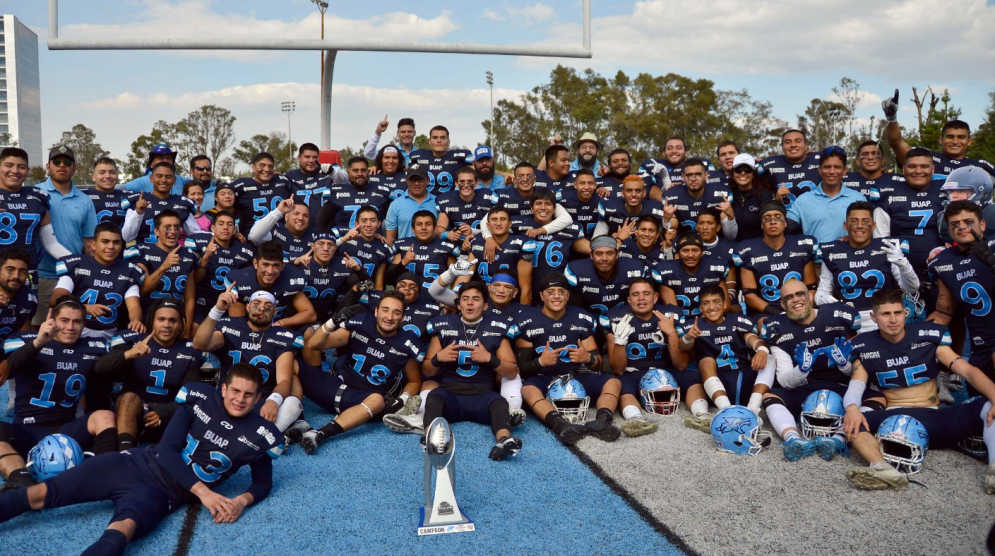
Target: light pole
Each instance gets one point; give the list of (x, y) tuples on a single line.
[(288, 109), (322, 6), (490, 81)]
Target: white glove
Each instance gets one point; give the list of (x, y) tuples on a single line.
[(326, 168), (662, 175), (622, 330), (894, 253), (462, 267)]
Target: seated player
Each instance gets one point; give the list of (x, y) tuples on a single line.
[(419, 307), (255, 339), (363, 242), (903, 360), (220, 255), (148, 483), (557, 340), (477, 352), (509, 251), (168, 266), (102, 282), (422, 254), (52, 368), (682, 279), (285, 283), (810, 349), (288, 225), (603, 279), (150, 370), (380, 365), (641, 336), (722, 343)]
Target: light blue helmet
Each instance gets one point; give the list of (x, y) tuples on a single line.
[(903, 441), (973, 179), (53, 455), (737, 430), (915, 307), (822, 414), (660, 392), (569, 398)]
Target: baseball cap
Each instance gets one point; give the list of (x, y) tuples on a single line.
[(418, 170), (223, 185), (61, 150), (483, 151), (743, 159)]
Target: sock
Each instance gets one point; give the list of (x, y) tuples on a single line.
[(882, 465), (699, 408), (14, 503), (631, 412), (842, 436), (105, 442), (331, 429), (424, 400), (21, 477), (780, 419), (554, 421), (498, 412), (290, 410), (511, 390), (125, 441), (605, 414), (989, 433), (721, 402), (111, 542)]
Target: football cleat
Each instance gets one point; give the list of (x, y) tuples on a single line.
[(411, 406), (701, 423), (955, 383), (638, 426), (829, 446), (295, 432), (880, 476), (797, 448), (413, 423), (990, 479), (603, 430), (508, 447), (310, 441), (943, 388), (516, 417)]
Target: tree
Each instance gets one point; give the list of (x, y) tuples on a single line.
[(824, 123), (275, 144), (83, 141), (207, 130), (756, 130), (7, 140), (37, 174), (984, 136), (138, 158)]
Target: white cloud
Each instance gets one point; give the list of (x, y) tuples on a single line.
[(865, 99), (527, 16)]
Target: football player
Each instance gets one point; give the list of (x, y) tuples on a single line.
[(285, 282), (682, 279), (17, 298), (462, 210), (343, 200), (903, 361), (795, 171), (108, 201), (603, 279), (547, 250), (288, 225), (139, 220), (640, 240), (620, 167), (326, 272), (405, 139), (672, 160), (422, 254), (168, 267), (686, 202), (969, 183), (518, 199), (363, 243), (557, 173), (613, 211), (441, 161), (870, 179), (220, 255), (306, 183), (419, 306), (255, 197), (581, 203), (509, 252), (198, 452)]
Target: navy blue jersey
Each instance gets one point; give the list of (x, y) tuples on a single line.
[(676, 173), (174, 282), (416, 315), (461, 212), (224, 261), (431, 259), (717, 177), (308, 189), (511, 314), (146, 231), (505, 258), (21, 214), (688, 208), (450, 329), (287, 286), (722, 248), (110, 205), (218, 445), (600, 295), (346, 201), (725, 342), (614, 185), (858, 273), (373, 362), (569, 331), (746, 207), (393, 185), (773, 267), (158, 376), (913, 215), (798, 178), (371, 254), (548, 252), (293, 247), (832, 321), (910, 361), (943, 165), (643, 350), (649, 259), (254, 200), (259, 349), (323, 285), (615, 212), (544, 180), (441, 169), (19, 310), (48, 391), (584, 213), (972, 285), (687, 285), (96, 284), (872, 188), (511, 199)]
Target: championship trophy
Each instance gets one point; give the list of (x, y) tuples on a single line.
[(441, 513)]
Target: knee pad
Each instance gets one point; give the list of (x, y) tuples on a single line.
[(773, 400), (713, 385)]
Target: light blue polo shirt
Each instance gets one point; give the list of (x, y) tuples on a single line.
[(822, 216), (73, 218), (403, 208)]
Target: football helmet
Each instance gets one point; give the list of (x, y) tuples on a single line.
[(822, 414), (53, 455), (736, 430), (660, 392), (915, 307), (973, 179), (903, 441), (569, 398)]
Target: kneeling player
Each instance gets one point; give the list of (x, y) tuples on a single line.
[(211, 437), (559, 340), (720, 343), (477, 351), (903, 360)]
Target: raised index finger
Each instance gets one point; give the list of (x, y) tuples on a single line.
[(146, 340), (230, 286)]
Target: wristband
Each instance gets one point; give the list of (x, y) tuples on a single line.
[(215, 314), (495, 362), (274, 397), (954, 360), (594, 357), (436, 362), (763, 349), (328, 329), (687, 340)]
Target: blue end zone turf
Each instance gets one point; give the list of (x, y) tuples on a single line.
[(362, 492)]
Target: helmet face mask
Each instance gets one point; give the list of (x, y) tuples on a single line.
[(569, 398), (903, 442), (659, 392), (822, 414), (971, 179)]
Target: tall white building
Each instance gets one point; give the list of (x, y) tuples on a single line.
[(20, 88)]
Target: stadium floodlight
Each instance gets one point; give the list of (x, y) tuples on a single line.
[(330, 48), (490, 81), (288, 109)]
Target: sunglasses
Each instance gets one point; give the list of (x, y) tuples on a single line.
[(742, 170), (202, 168), (61, 162)]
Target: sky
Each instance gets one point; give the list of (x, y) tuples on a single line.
[(781, 51)]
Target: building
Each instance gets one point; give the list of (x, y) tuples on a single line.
[(20, 88)]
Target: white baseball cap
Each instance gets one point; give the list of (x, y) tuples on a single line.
[(743, 159)]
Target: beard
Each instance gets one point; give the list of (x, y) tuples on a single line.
[(587, 160)]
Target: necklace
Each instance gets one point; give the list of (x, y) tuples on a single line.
[(469, 333)]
